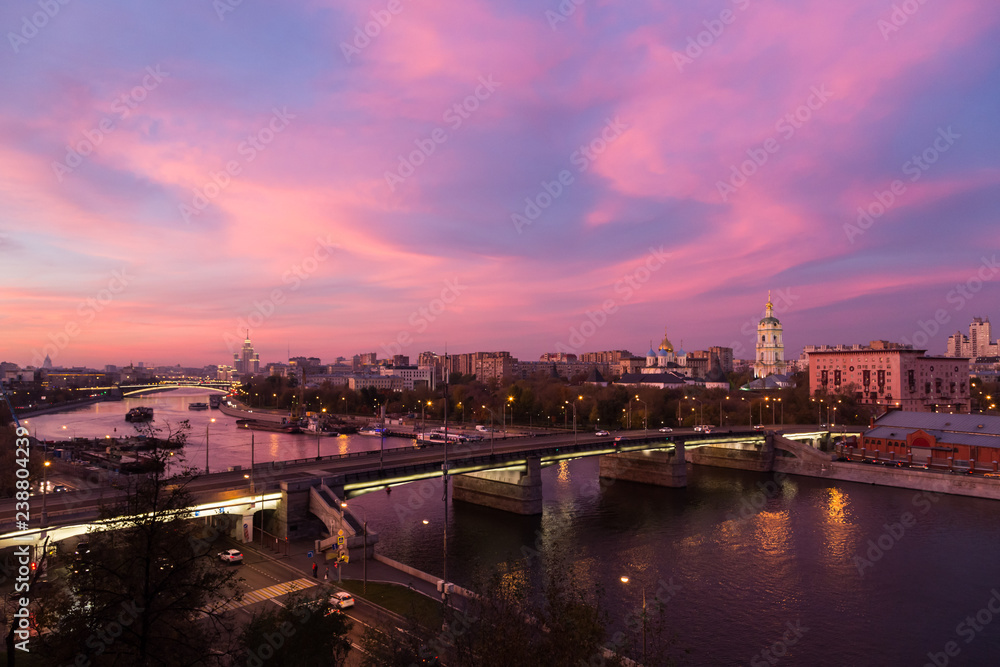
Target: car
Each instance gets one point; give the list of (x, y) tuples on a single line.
[(602, 434), (758, 427), (59, 488), (342, 600), (620, 439), (231, 556), (666, 429), (991, 474)]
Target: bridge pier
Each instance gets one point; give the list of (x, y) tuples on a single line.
[(658, 467), (294, 518), (517, 491)]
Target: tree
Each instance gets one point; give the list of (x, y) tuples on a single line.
[(383, 644), (305, 631), (559, 623), (147, 592)]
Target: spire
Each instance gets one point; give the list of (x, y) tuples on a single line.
[(769, 305)]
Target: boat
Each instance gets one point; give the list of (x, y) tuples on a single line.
[(198, 406), (377, 431), (215, 401), (143, 414)]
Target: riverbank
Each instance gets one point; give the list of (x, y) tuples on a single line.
[(822, 465), (68, 405)]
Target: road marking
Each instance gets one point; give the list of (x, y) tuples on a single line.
[(262, 594)]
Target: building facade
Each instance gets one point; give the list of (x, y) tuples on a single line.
[(935, 440), (891, 377), (770, 348), (246, 361), (979, 342)]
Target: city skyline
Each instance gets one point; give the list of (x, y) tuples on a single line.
[(493, 177)]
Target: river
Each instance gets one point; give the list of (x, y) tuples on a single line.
[(814, 572)]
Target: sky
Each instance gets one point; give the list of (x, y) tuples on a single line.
[(399, 176)]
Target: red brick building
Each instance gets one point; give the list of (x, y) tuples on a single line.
[(944, 440)]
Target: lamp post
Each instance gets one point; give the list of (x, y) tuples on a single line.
[(625, 580), (701, 406), (645, 414), (210, 422), (340, 550), (45, 487), (722, 418), (573, 404), (491, 428), (364, 548)]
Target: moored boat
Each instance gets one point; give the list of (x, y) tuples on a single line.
[(142, 414)]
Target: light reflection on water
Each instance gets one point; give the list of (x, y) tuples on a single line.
[(750, 557)]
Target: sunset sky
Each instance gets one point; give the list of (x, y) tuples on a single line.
[(492, 175)]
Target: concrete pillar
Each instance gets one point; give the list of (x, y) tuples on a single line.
[(517, 491), (661, 468)]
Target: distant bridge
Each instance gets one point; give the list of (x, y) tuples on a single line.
[(221, 386)]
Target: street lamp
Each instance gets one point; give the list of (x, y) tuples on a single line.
[(364, 552), (340, 550), (701, 405), (645, 413), (210, 422), (45, 489), (574, 418), (625, 580), (503, 415), (492, 415), (722, 418)]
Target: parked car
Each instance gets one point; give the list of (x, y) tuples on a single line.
[(341, 600), (602, 434), (666, 429), (231, 556)]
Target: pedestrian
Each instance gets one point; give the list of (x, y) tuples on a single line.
[(315, 567), (326, 575)]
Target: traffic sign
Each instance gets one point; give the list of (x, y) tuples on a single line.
[(309, 554), (340, 540)]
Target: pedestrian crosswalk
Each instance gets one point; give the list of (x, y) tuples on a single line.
[(262, 594)]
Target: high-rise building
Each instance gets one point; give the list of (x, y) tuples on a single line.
[(246, 361), (724, 355), (979, 342), (770, 349)]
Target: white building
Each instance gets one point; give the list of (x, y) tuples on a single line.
[(770, 348)]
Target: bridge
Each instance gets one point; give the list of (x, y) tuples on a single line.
[(307, 497), (221, 386)]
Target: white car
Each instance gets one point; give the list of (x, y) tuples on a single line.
[(341, 600), (231, 556), (602, 434), (666, 429)]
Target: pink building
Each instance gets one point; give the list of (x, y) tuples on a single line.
[(891, 375)]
